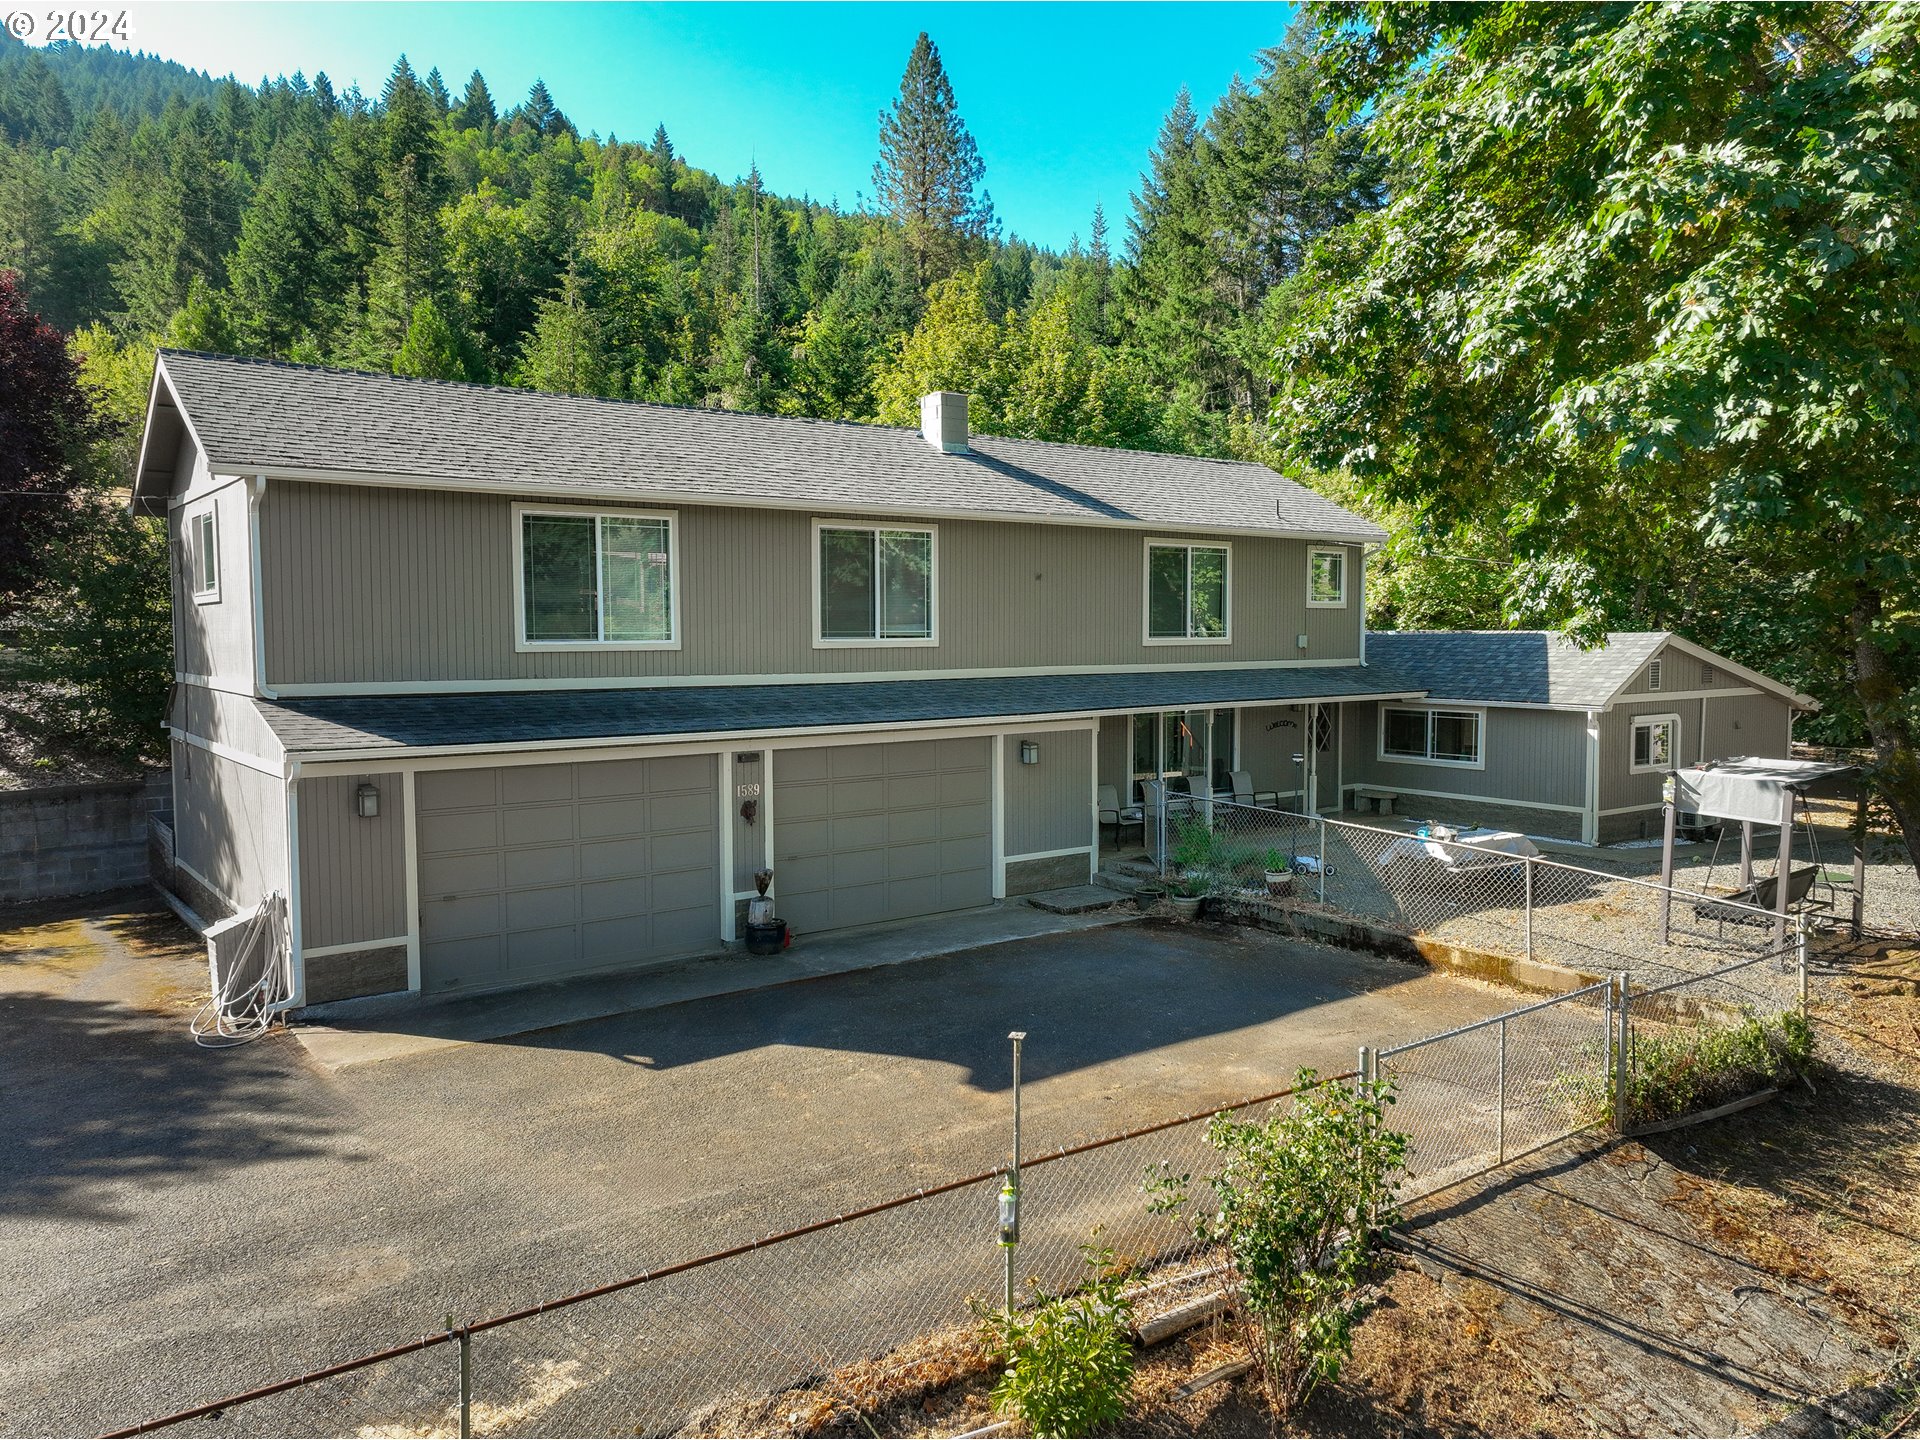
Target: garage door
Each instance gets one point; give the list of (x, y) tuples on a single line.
[(533, 872), (882, 832)]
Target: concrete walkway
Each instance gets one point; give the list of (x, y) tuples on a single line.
[(387, 1027)]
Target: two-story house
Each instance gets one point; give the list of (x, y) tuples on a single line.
[(497, 686)]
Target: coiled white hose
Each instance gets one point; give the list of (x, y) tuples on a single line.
[(252, 979)]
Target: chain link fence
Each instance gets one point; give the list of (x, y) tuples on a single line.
[(1468, 894)]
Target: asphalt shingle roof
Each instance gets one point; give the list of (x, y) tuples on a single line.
[(270, 415), (1519, 667), (317, 726)]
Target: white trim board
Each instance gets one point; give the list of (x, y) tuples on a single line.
[(1633, 809), (645, 682), (738, 501), (1046, 854), (321, 952), (563, 752), (227, 752), (1456, 795)]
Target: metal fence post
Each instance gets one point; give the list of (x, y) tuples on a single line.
[(1323, 858), (1622, 1063), (465, 1338), (1526, 869), (1800, 956), (1010, 1201), (1503, 1089)]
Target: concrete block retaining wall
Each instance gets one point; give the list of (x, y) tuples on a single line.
[(77, 839)]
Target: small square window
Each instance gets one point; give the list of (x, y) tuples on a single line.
[(1656, 741), (1326, 579)]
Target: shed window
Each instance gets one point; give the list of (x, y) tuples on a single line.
[(875, 585), (1432, 737), (1327, 578), (203, 554), (1186, 592), (1656, 740), (597, 579)]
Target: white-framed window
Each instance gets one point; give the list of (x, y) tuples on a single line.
[(203, 554), (875, 584), (1656, 743), (1188, 590), (607, 579), (1653, 675), (1419, 735), (1326, 578)]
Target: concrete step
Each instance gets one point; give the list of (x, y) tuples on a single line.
[(1076, 899)]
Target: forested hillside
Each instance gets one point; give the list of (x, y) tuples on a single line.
[(442, 231)]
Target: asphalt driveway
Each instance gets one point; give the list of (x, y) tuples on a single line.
[(178, 1223)]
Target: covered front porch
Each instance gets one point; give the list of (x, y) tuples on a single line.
[(1283, 756)]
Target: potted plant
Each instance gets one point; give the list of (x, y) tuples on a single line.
[(1186, 892), (1279, 874)]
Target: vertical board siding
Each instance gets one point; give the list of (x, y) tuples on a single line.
[(1619, 786), (353, 879), (1532, 756), (226, 719), (1048, 803), (230, 825), (215, 638), (1745, 725), (1681, 672), (376, 584), (1116, 754)]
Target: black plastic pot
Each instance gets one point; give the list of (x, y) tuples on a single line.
[(767, 939)]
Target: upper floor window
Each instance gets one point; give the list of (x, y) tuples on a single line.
[(1431, 737), (1326, 578), (1187, 593), (589, 578), (1656, 740), (203, 554), (873, 585)]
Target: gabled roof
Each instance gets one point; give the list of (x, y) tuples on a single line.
[(305, 421), (356, 725), (1537, 667)]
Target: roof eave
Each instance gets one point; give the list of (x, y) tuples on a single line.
[(232, 464)]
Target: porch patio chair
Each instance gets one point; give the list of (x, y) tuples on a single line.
[(1245, 794), (1112, 812)]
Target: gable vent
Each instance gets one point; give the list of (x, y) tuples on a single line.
[(1706, 674), (1653, 675)]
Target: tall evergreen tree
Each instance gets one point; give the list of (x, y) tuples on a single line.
[(475, 110), (929, 171)]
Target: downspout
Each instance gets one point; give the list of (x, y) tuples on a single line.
[(1590, 817), (1360, 592), (296, 965), (256, 493)]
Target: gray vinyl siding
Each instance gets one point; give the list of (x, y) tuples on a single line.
[(213, 638), (370, 584), (226, 719), (1536, 757), (1267, 754), (230, 825), (1116, 754), (1619, 786), (1680, 672), (1745, 725), (353, 879), (1049, 804)]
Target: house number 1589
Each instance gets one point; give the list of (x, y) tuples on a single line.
[(747, 792)]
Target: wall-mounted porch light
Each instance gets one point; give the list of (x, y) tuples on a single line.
[(1029, 753), (366, 801)]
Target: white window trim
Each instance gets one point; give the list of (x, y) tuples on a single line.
[(879, 642), (1633, 730), (1147, 637), (581, 512), (1480, 731), (1345, 561), (210, 595)]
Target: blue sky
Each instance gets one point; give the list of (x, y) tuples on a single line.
[(1063, 99)]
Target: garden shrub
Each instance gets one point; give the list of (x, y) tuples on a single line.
[(1069, 1358), (1675, 1072), (1298, 1202)]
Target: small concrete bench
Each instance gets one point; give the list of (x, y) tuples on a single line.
[(1365, 797)]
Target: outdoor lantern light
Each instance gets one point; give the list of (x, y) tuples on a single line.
[(1029, 753), (366, 801)]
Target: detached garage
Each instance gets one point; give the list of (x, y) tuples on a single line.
[(537, 872)]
